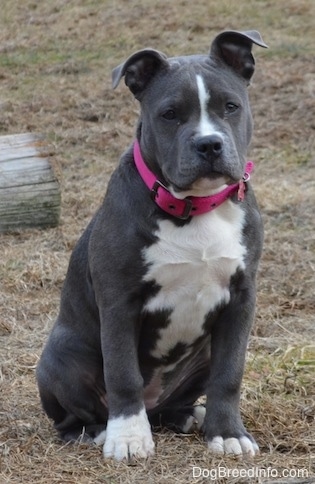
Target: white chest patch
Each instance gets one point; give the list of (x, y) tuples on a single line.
[(193, 265)]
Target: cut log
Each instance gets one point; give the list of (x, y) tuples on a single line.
[(29, 190)]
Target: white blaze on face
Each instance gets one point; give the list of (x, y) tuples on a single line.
[(205, 127)]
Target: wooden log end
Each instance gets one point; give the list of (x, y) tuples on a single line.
[(30, 193)]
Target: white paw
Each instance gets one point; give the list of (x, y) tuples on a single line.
[(128, 437), (195, 421), (233, 446)]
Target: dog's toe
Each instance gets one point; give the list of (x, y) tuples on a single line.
[(199, 414), (216, 445), (100, 438), (248, 447)]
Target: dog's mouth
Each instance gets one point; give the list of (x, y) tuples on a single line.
[(202, 187)]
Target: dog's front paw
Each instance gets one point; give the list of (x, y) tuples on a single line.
[(242, 446), (128, 437)]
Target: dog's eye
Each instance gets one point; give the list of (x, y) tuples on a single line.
[(231, 108), (169, 114)]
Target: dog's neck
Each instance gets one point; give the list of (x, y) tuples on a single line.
[(189, 206)]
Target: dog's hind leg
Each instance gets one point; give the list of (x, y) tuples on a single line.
[(73, 394), (75, 420)]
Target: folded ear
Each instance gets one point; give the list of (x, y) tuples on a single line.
[(138, 69), (234, 49)]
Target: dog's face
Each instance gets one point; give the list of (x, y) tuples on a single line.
[(195, 123), (201, 122)]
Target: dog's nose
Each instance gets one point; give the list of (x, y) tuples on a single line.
[(209, 147)]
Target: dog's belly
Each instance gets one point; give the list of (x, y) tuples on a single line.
[(167, 379), (192, 265)]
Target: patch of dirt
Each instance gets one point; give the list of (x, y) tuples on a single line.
[(55, 65)]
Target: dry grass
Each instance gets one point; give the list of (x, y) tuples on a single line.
[(55, 63)]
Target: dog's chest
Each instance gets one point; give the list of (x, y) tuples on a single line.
[(192, 265)]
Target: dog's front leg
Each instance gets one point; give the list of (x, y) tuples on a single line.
[(223, 426), (128, 432)]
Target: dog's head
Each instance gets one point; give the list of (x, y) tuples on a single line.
[(195, 124)]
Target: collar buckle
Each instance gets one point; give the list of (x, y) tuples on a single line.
[(154, 190), (186, 213), (187, 209), (175, 206)]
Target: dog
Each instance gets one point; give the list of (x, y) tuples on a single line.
[(159, 297)]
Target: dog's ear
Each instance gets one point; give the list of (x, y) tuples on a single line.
[(138, 69), (234, 49)]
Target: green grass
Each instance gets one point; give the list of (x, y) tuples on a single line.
[(28, 58)]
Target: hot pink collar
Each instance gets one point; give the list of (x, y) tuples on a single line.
[(189, 206)]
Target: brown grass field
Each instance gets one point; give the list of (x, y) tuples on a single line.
[(55, 78)]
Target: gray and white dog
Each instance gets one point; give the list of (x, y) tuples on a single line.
[(159, 297)]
